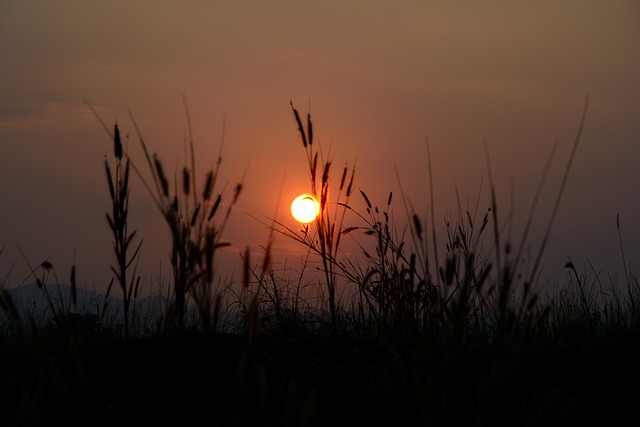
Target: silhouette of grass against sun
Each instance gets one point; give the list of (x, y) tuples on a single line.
[(395, 336)]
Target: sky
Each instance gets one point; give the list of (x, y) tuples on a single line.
[(380, 78)]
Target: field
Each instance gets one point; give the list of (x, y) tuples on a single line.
[(432, 333)]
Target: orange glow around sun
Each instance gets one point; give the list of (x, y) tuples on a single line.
[(305, 208)]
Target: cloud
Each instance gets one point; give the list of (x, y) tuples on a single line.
[(35, 112), (18, 111)]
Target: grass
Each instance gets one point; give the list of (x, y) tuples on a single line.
[(118, 181), (409, 333)]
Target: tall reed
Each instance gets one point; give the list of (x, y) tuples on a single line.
[(195, 226), (119, 190), (196, 229), (325, 240)]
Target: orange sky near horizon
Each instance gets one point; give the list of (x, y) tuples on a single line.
[(379, 80)]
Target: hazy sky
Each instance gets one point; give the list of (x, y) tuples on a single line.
[(379, 76)]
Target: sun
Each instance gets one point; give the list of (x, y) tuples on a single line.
[(305, 208)]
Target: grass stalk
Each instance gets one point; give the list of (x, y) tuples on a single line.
[(119, 190)]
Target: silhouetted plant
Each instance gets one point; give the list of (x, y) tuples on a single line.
[(195, 236), (465, 341), (119, 189), (325, 238)]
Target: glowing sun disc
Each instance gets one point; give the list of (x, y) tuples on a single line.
[(305, 208)]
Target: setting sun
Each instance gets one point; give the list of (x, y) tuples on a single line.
[(305, 208)]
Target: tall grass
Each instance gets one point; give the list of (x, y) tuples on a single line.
[(396, 289), (119, 189), (324, 237), (456, 333), (195, 221), (196, 230)]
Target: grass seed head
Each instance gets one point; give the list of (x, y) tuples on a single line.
[(236, 193), (325, 173), (117, 144), (344, 175), (349, 187), (366, 199), (300, 128), (418, 226), (216, 204), (185, 181), (164, 184), (208, 186)]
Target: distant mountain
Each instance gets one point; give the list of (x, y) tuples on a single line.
[(43, 303)]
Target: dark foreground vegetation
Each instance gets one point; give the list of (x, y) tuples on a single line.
[(91, 377), (405, 339)]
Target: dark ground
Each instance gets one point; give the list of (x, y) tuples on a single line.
[(224, 380)]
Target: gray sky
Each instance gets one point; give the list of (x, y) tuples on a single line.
[(380, 78)]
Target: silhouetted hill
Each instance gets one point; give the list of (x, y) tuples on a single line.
[(43, 303)]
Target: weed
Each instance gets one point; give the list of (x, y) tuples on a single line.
[(405, 331), (118, 181), (190, 215)]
